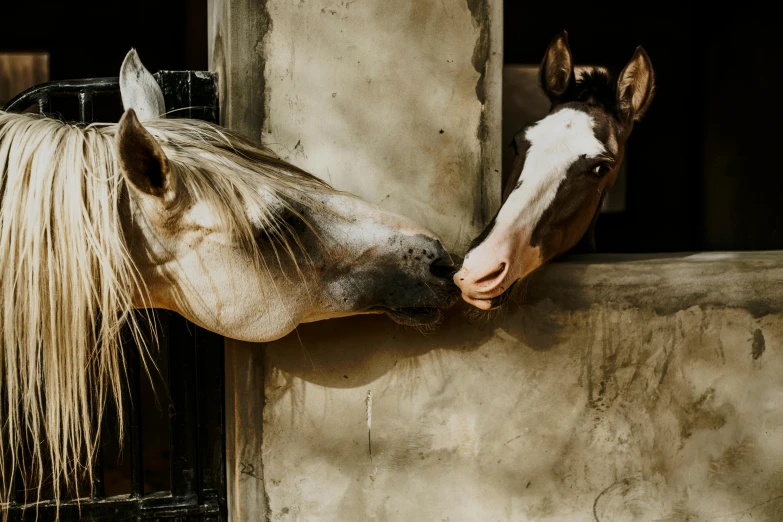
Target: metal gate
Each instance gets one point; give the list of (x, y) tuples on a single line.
[(194, 356)]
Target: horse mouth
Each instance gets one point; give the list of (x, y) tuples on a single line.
[(491, 303), (414, 315)]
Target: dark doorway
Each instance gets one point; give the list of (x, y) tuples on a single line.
[(702, 166)]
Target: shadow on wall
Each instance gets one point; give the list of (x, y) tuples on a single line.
[(351, 352), (613, 388), (354, 351), (345, 114)]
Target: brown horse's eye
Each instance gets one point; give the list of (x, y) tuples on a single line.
[(600, 170)]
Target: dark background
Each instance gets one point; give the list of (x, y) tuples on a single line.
[(703, 167), (90, 39)]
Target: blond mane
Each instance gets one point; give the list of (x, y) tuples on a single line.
[(67, 278)]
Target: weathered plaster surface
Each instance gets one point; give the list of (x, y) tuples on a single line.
[(396, 101), (632, 389), (382, 100), (238, 30)]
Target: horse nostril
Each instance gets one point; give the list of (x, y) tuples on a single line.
[(494, 275), (443, 268)]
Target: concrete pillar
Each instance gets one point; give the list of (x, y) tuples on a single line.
[(396, 101)]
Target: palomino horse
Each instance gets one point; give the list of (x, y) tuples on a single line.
[(169, 213), (564, 165)]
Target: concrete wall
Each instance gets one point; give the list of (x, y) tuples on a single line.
[(623, 388), (398, 102), (613, 389)]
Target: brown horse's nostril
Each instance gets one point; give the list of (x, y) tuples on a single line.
[(494, 275), (443, 268)]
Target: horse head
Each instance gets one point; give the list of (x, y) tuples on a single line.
[(246, 245), (563, 167)]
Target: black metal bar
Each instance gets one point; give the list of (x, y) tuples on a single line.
[(120, 508), (19, 491), (192, 91), (25, 99), (190, 94), (97, 491), (182, 412), (85, 106), (211, 412), (134, 420), (44, 105)]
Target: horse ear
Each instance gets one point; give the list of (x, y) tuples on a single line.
[(142, 160), (557, 67), (139, 90), (636, 86)]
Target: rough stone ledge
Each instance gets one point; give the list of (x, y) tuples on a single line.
[(665, 283)]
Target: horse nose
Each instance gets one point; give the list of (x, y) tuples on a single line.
[(485, 281), (443, 268)]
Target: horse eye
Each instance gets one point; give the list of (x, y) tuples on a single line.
[(600, 170)]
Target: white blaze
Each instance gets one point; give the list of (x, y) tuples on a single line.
[(556, 142)]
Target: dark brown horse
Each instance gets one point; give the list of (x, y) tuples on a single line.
[(564, 165)]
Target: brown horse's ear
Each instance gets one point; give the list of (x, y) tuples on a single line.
[(557, 67), (636, 86), (142, 160)]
